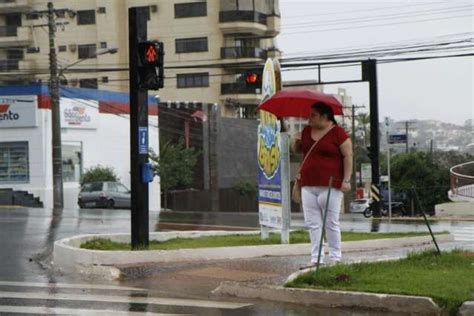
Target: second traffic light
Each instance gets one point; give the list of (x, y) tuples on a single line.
[(151, 63), (253, 79)]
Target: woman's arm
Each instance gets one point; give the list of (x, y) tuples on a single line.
[(296, 143), (346, 151)]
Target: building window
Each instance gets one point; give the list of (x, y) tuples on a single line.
[(193, 80), (103, 44), (88, 83), (62, 48), (14, 162), (32, 50), (87, 51), (85, 17), (72, 162), (32, 16), (191, 45), (188, 10)]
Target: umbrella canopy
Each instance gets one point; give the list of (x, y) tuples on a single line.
[(297, 103)]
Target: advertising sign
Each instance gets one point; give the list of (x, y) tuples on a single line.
[(269, 171), (269, 156), (79, 113), (18, 111)]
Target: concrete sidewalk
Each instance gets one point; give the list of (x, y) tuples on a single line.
[(249, 278)]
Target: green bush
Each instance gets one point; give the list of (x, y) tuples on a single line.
[(99, 173), (246, 188)]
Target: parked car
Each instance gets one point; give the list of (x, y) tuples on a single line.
[(359, 205), (104, 194)]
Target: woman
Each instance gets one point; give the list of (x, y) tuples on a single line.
[(330, 157)]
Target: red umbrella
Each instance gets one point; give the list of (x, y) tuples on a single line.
[(298, 103)]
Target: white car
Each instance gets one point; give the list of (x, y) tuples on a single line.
[(359, 205)]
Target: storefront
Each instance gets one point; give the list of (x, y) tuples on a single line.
[(95, 130)]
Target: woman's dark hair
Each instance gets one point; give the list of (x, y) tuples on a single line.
[(324, 110)]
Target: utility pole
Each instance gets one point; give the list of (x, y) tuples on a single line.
[(58, 197), (354, 167), (406, 133), (213, 159)]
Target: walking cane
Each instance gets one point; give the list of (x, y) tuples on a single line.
[(324, 224)]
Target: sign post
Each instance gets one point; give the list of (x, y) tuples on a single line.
[(273, 162)]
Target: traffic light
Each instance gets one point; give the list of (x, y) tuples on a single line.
[(253, 79), (150, 65)]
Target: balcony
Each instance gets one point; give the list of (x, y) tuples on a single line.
[(240, 92), (252, 22), (243, 52), (273, 25), (14, 6), (13, 70), (14, 36), (9, 65)]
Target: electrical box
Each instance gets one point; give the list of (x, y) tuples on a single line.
[(146, 172)]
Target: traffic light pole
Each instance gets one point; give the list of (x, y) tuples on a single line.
[(138, 131), (369, 73)]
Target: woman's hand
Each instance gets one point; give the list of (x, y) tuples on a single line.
[(295, 143), (346, 186)]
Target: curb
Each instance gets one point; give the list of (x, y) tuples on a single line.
[(68, 257), (466, 309), (416, 305)]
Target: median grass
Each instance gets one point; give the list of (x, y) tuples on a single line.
[(448, 278), (296, 237)]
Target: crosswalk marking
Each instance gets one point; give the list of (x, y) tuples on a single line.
[(72, 311), (124, 299), (464, 234), (70, 286)]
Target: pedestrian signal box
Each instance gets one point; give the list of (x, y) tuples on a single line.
[(150, 66)]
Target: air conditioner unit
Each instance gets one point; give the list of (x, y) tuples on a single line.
[(72, 47), (154, 8), (101, 10)]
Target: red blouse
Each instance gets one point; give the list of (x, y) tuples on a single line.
[(325, 159)]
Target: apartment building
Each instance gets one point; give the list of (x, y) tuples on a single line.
[(224, 38)]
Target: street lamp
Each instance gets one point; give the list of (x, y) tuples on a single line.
[(58, 196)]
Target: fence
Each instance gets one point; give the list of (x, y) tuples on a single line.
[(462, 180)]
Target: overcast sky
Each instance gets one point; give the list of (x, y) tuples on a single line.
[(440, 89)]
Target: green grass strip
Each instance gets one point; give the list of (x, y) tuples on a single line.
[(448, 279), (296, 237)]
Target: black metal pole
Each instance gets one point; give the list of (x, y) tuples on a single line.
[(426, 219), (55, 113), (370, 74), (138, 128)]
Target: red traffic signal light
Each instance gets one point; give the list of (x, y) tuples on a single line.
[(251, 78), (151, 53), (150, 68)]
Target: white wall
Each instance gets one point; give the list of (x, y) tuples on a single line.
[(108, 145)]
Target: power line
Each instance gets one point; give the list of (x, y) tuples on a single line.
[(372, 25)]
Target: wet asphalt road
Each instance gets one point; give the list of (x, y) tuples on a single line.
[(27, 236)]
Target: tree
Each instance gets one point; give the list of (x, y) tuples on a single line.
[(175, 166), (429, 175), (363, 121), (99, 173)]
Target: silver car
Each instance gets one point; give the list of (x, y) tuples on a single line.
[(104, 195), (359, 205)]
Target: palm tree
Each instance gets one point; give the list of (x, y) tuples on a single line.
[(363, 120)]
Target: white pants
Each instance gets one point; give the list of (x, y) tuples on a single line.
[(314, 204)]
